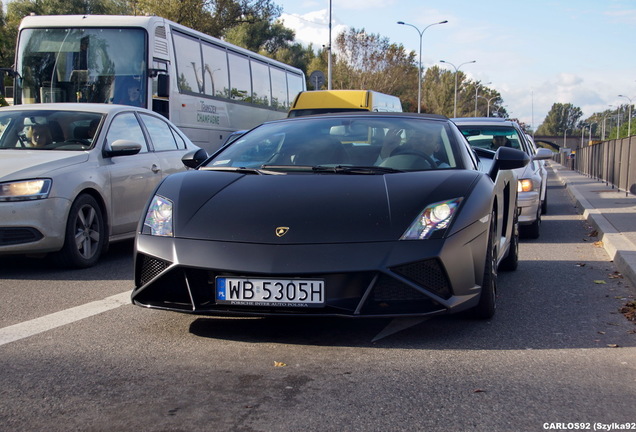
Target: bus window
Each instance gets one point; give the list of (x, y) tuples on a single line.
[(239, 77), (77, 64), (295, 84), (279, 88), (215, 77), (260, 83), (188, 64)]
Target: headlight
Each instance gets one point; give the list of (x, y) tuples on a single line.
[(433, 218), (25, 190), (158, 221), (525, 185)]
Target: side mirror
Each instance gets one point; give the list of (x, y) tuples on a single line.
[(122, 148), (507, 158), (543, 154), (163, 86), (194, 158)]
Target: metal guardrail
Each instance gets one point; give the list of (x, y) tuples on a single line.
[(613, 162)]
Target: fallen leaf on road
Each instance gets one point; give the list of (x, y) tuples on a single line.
[(600, 282), (279, 364), (629, 310), (598, 244)]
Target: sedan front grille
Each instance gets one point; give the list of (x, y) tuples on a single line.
[(13, 236)]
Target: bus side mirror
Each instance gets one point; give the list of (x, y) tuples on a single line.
[(163, 86)]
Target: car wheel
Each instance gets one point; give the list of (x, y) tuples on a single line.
[(544, 204), (486, 307), (532, 231), (85, 234), (511, 261)]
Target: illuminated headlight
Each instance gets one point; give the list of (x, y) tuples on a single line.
[(25, 190), (525, 185), (158, 221), (434, 218)]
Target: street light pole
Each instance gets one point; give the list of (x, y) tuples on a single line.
[(488, 106), (629, 116), (419, 69), (476, 91), (457, 73)]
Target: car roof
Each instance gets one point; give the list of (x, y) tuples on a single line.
[(82, 107), (483, 120), (351, 114)]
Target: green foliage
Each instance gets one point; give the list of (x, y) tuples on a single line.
[(560, 118)]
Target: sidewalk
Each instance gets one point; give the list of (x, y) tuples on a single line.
[(611, 213)]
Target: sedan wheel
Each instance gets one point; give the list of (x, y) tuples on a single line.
[(85, 234), (533, 230), (511, 261)]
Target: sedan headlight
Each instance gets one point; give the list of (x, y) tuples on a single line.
[(433, 218), (158, 221), (25, 190), (525, 185)]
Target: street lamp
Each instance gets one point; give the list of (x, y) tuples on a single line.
[(457, 73), (476, 91), (419, 75), (488, 107), (629, 116)]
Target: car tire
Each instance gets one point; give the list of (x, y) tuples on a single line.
[(532, 231), (85, 235), (511, 261), (487, 305), (544, 204)]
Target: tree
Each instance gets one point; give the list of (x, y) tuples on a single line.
[(370, 62), (213, 17), (560, 118)]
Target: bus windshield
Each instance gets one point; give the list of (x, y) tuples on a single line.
[(102, 65)]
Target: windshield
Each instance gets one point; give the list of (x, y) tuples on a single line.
[(382, 144), (48, 130), (83, 65), (491, 137)]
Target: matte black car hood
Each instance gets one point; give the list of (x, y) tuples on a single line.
[(313, 208)]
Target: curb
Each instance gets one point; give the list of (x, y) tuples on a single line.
[(619, 248)]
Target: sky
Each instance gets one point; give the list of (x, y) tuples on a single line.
[(534, 53)]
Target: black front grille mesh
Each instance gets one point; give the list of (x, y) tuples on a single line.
[(151, 267), (428, 274)]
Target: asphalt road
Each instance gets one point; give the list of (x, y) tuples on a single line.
[(558, 351)]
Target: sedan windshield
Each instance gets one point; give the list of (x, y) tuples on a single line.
[(337, 144), (48, 130)]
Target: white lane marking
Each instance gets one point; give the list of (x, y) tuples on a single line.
[(48, 322)]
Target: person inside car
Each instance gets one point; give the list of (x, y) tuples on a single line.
[(39, 136), (499, 141)]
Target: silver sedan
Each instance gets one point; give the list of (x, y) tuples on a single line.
[(75, 177)]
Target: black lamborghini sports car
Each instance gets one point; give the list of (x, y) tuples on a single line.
[(358, 215)]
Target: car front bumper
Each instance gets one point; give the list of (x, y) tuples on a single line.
[(529, 203), (33, 227), (376, 279)]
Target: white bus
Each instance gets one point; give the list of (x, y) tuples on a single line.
[(207, 87)]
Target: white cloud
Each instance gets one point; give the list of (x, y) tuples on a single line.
[(313, 27)]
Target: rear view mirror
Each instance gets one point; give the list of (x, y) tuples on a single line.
[(194, 158), (507, 158)]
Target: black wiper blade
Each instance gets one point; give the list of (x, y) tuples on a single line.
[(241, 170), (355, 169)]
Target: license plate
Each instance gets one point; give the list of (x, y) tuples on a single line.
[(269, 292)]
